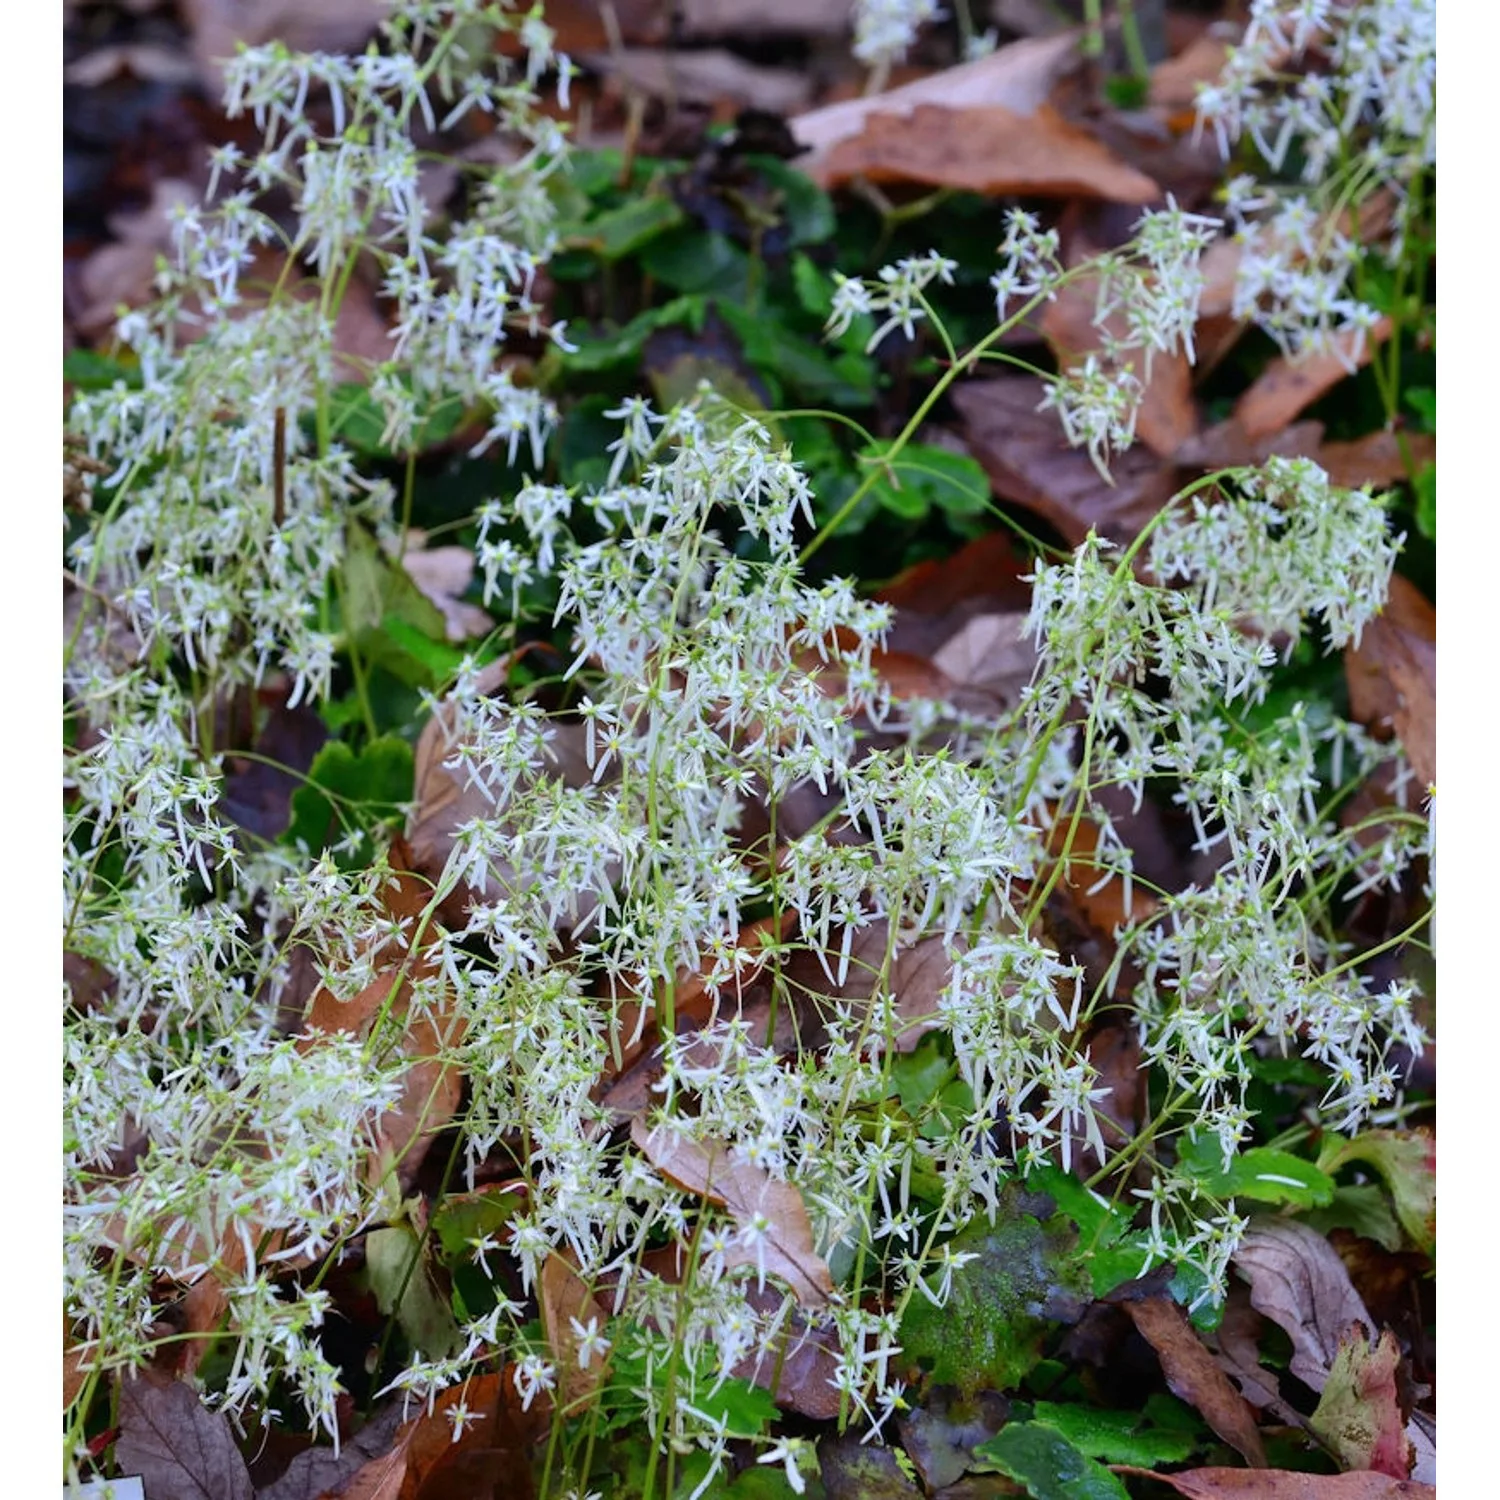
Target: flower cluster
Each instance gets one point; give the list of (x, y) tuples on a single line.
[(697, 871), (1340, 96), (884, 30)]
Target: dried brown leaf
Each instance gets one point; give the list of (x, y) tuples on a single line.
[(1168, 415), (564, 1298), (181, 1450), (1238, 1341), (1287, 387), (1283, 1484), (321, 1471), (707, 75), (444, 799), (991, 654), (1194, 1377), (1298, 1281), (217, 26), (987, 571), (1030, 462), (1377, 459), (987, 149), (750, 1194), (1018, 78), (1392, 676)]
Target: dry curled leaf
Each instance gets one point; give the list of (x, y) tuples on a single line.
[(444, 799), (1193, 1376), (989, 150), (1298, 1281), (1168, 415), (779, 1239)]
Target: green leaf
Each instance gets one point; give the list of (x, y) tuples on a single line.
[(776, 351), (1364, 1209), (379, 593), (921, 476), (1115, 1437), (1407, 1160), (1426, 492), (356, 420), (688, 260), (1100, 1222), (808, 210), (746, 1410), (990, 1332), (402, 1284), (346, 790), (624, 345), (462, 1217), (619, 232), (1051, 1468), (1262, 1174), (1423, 400), (86, 370)]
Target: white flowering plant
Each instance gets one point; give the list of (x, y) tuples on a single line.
[(657, 1005)]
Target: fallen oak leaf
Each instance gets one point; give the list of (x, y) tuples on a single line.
[(1029, 461), (775, 1231), (1018, 77), (990, 150), (322, 1471), (1283, 1484), (1193, 1375)]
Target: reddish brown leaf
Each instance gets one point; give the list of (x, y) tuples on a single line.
[(1392, 675), (1283, 1484), (750, 1194), (1018, 77), (1194, 1377), (990, 150), (181, 1450), (431, 1087), (802, 1360), (444, 799), (1030, 462), (989, 569), (1359, 1415), (1287, 387), (1238, 1340), (1168, 415), (564, 1298), (1377, 459)]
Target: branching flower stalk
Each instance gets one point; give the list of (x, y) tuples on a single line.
[(726, 759)]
